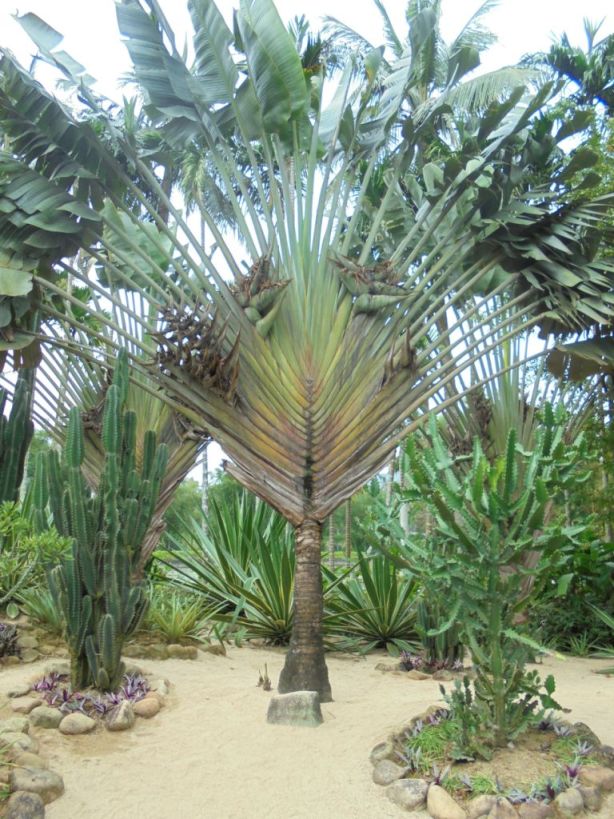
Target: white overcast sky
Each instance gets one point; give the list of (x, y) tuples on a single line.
[(90, 29), (91, 36)]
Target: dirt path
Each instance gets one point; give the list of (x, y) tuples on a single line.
[(211, 755)]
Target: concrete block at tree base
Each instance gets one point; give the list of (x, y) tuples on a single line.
[(296, 708)]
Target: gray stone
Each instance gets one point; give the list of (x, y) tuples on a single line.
[(414, 674), (121, 717), (178, 652), (20, 690), (481, 806), (24, 705), (535, 810), (73, 724), (569, 802), (14, 725), (30, 760), (600, 777), (47, 784), (591, 796), (608, 753), (217, 649), (441, 805), (28, 641), (155, 695), (161, 687), (295, 708), (383, 750), (158, 651), (24, 805), (18, 741), (147, 707), (502, 809), (586, 734), (29, 655), (443, 676), (409, 794), (386, 772), (387, 668), (46, 717)]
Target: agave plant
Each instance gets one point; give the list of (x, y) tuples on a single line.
[(375, 606), (175, 616), (242, 565), (303, 351)]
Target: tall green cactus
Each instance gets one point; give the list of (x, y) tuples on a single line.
[(96, 590), (15, 435)]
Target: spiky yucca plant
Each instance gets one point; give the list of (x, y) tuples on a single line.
[(304, 350)]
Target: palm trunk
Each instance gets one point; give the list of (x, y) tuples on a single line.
[(305, 667)]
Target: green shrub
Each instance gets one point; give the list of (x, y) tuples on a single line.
[(176, 616), (25, 555), (39, 604)]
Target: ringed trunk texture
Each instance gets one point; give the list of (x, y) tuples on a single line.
[(305, 667)]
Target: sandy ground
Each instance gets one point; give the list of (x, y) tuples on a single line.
[(211, 755)]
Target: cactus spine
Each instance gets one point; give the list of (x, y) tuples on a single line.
[(15, 435), (101, 602)]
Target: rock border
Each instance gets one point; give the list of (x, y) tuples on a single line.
[(413, 793), (32, 783)]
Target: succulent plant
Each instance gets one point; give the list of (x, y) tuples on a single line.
[(15, 435), (58, 693), (101, 602)]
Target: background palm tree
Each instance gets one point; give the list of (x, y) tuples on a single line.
[(304, 352)]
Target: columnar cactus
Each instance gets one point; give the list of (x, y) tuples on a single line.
[(96, 590), (15, 435)]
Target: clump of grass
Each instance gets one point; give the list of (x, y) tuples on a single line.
[(473, 786), (568, 750), (432, 745), (581, 645), (481, 784)]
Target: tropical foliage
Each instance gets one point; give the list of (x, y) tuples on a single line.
[(305, 351)]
